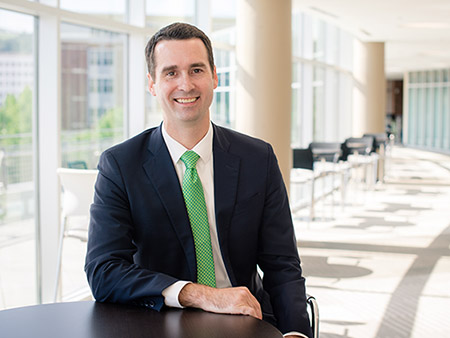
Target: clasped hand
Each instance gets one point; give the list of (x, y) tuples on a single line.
[(237, 300)]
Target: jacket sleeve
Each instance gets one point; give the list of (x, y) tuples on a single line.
[(111, 271), (278, 256)]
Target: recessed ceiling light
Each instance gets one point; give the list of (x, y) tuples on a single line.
[(428, 25)]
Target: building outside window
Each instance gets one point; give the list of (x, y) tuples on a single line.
[(93, 86)]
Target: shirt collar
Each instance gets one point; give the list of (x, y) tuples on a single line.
[(203, 148)]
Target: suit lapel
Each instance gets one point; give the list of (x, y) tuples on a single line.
[(226, 174), (160, 170)]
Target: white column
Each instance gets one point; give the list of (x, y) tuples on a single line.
[(49, 151), (263, 91), (369, 94), (137, 72)]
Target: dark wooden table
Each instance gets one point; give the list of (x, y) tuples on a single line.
[(91, 319)]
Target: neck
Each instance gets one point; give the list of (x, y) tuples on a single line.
[(188, 135)]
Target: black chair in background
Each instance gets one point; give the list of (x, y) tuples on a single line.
[(303, 159), (380, 140), (357, 145), (305, 174), (357, 151), (327, 151)]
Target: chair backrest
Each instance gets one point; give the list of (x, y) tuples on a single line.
[(360, 145), (379, 139), (328, 151), (78, 188), (303, 159)]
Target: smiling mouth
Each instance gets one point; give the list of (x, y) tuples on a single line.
[(187, 100)]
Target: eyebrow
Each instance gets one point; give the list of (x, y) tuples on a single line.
[(175, 67)]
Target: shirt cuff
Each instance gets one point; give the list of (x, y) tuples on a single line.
[(295, 334), (171, 293)]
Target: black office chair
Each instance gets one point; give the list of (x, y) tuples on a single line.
[(303, 159), (327, 151), (313, 308), (358, 145), (380, 140)]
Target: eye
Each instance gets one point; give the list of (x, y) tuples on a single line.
[(197, 70), (170, 74)]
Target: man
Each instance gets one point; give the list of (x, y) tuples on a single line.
[(144, 244)]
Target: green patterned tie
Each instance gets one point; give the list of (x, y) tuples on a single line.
[(198, 217)]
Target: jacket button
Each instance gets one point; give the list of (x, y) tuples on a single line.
[(151, 303)]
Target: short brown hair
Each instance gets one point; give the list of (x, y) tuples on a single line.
[(176, 31)]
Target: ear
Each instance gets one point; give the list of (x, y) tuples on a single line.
[(151, 85), (215, 78)]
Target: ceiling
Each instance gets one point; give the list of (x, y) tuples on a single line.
[(416, 32)]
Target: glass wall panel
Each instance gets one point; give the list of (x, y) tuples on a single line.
[(436, 132), (412, 116), (157, 15), (421, 116), (318, 104), (110, 9), (161, 13), (319, 40), (446, 118), (222, 110), (296, 120), (429, 116), (325, 108), (92, 83), (223, 15), (223, 37), (428, 109), (17, 225)]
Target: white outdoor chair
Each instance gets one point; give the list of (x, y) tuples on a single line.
[(77, 195)]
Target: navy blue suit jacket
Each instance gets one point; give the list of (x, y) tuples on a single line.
[(140, 240)]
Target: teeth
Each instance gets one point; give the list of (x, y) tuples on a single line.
[(186, 100)]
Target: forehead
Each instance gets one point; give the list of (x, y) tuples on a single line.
[(180, 53)]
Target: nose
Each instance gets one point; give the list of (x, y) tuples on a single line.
[(185, 83)]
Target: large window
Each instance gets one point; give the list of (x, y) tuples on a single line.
[(322, 81), (93, 83), (428, 109), (223, 36), (157, 15), (17, 225), (109, 9), (161, 13)]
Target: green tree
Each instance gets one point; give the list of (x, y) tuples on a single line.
[(15, 116), (111, 122)]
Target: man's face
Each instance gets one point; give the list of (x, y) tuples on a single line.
[(184, 82)]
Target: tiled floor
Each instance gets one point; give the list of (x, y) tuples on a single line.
[(381, 267)]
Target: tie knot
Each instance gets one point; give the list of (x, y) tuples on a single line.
[(190, 159)]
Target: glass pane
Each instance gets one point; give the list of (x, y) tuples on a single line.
[(296, 124), (318, 105), (92, 100), (297, 25), (223, 37), (319, 28), (17, 225), (412, 116), (446, 118), (222, 110), (161, 13), (429, 117), (223, 15), (110, 9)]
